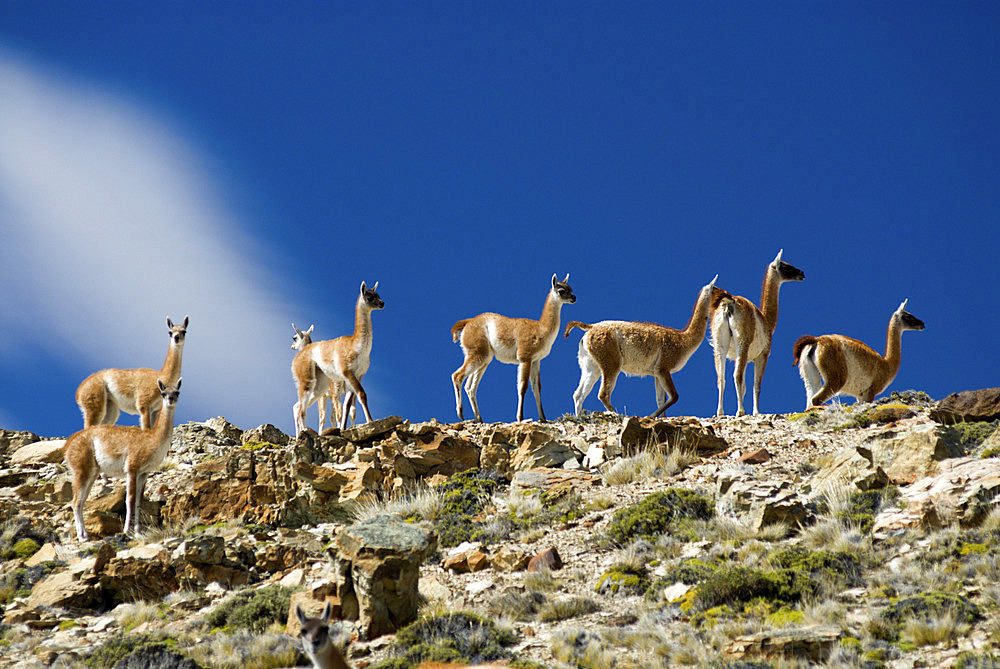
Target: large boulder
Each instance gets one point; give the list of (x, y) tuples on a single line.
[(759, 503), (962, 491), (377, 567), (814, 643), (853, 466), (968, 406), (39, 453), (913, 454), (639, 434)]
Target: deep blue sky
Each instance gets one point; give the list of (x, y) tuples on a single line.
[(462, 153)]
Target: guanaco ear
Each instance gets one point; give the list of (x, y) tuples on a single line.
[(300, 614), (170, 323), (297, 331), (185, 322), (159, 384), (363, 287), (554, 280), (712, 284), (375, 287), (309, 331), (327, 612), (777, 258), (179, 379), (902, 306), (566, 280)]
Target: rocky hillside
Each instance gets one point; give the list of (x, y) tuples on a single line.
[(860, 536)]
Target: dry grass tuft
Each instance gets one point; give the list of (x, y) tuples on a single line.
[(929, 631), (244, 650)]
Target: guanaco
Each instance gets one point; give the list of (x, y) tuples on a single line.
[(832, 364), (120, 451), (103, 394), (520, 341)]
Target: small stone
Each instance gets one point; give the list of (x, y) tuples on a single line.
[(548, 559)]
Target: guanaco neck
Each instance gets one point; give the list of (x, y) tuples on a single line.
[(893, 345), (328, 658), (694, 331), (171, 369), (549, 322), (362, 325), (769, 298)]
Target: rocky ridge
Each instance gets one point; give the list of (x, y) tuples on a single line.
[(241, 509)]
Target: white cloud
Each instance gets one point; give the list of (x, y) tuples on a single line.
[(110, 223)]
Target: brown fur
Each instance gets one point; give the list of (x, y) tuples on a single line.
[(103, 394), (849, 366), (122, 451), (303, 367), (520, 341), (742, 332), (575, 324), (800, 344), (342, 359), (314, 634), (642, 349)]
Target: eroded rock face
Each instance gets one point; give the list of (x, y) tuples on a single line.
[(962, 491), (853, 466), (760, 503), (908, 455), (968, 406), (641, 433), (377, 569), (813, 643)]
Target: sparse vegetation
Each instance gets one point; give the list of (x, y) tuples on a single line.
[(252, 610), (668, 512), (460, 637)]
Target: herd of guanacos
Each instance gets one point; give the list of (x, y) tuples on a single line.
[(740, 331)]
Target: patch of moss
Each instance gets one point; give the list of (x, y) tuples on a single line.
[(972, 548), (913, 398), (460, 637), (970, 435), (833, 568), (785, 616), (25, 548), (889, 623), (68, 624), (464, 496), (253, 610), (623, 580), (667, 512), (258, 445), (981, 660)]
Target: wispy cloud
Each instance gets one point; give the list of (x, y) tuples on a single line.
[(110, 223)]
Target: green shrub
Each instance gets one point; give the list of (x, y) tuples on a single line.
[(982, 660), (888, 625), (738, 586), (254, 610), (834, 568), (864, 505), (121, 646), (913, 398), (454, 637), (624, 580), (668, 512), (464, 496)]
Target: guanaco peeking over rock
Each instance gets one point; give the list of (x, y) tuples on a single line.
[(832, 364), (103, 394), (120, 451), (517, 341)]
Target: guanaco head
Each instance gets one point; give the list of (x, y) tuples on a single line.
[(169, 393), (786, 271), (561, 290), (177, 332), (301, 338), (315, 632), (370, 296), (907, 321)]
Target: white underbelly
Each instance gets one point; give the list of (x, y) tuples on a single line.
[(113, 467)]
